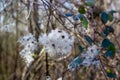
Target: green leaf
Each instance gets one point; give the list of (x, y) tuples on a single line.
[(69, 14), (82, 18), (109, 54), (81, 10), (75, 63), (78, 17), (111, 47), (88, 39), (105, 43), (104, 17), (112, 12), (84, 22), (111, 50), (89, 2), (110, 17), (81, 48), (110, 74), (110, 28), (107, 30)]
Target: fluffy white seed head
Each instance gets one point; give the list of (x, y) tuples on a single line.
[(6, 28), (30, 46), (90, 56), (57, 42), (27, 56)]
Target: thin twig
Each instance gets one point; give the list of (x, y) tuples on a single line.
[(103, 69)]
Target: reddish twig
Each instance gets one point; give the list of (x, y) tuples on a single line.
[(103, 69)]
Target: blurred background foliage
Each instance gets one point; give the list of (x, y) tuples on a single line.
[(15, 13)]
